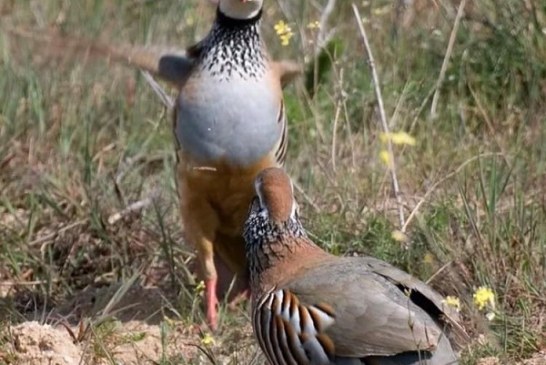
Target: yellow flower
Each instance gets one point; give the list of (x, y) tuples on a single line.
[(284, 32), (386, 157), (383, 10), (453, 302), (281, 27), (484, 296), (200, 287), (313, 25), (399, 236), (168, 321), (397, 138), (285, 39), (207, 340), (428, 258)]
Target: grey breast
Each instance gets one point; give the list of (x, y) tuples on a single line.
[(234, 120)]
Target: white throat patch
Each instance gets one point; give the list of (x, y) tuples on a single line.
[(238, 9)]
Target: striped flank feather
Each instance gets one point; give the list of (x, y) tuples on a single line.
[(292, 333), (282, 147)]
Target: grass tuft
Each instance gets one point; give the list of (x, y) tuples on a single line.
[(84, 142)]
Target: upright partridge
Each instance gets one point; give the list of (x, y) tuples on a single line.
[(310, 307), (229, 124)]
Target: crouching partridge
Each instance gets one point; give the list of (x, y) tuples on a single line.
[(310, 307)]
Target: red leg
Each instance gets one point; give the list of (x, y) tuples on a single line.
[(211, 302)]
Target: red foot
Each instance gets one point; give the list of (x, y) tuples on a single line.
[(211, 302)]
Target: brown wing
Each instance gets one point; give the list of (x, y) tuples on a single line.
[(372, 315), (287, 71), (421, 293)]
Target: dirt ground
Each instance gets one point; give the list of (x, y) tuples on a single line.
[(128, 324), (142, 333), (537, 359), (32, 343)]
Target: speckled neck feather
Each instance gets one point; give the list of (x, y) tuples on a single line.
[(234, 48), (268, 242)]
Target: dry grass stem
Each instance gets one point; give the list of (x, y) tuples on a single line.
[(447, 57), (383, 115), (133, 207), (94, 265)]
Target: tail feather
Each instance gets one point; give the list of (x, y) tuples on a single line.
[(444, 355)]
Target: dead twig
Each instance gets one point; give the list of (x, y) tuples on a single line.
[(438, 272), (133, 207), (51, 236), (159, 91), (306, 197), (384, 124), (11, 283), (447, 57), (324, 35), (336, 121)]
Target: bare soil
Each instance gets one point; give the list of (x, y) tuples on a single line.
[(139, 331)]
